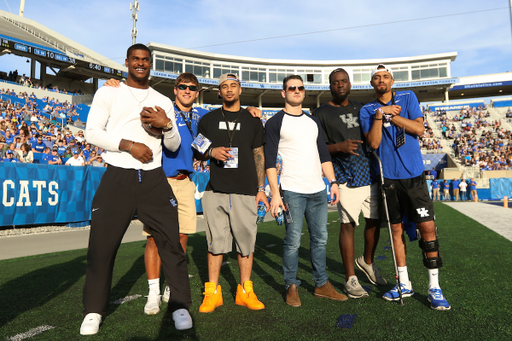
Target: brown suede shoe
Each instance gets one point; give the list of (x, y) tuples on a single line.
[(328, 291), (292, 296)]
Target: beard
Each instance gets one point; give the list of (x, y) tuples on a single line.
[(337, 98), (382, 91)]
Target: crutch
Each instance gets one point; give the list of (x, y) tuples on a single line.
[(382, 188)]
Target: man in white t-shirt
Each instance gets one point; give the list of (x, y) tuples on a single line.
[(76, 160), (298, 138), (463, 187)]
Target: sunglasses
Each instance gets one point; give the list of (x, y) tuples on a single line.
[(293, 88), (184, 87)]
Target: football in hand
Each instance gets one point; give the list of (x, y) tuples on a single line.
[(153, 131)]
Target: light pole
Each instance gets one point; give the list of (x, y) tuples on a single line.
[(22, 7), (135, 8)]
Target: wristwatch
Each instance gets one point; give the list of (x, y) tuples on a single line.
[(334, 182), (168, 126)]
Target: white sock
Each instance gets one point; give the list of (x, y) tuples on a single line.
[(403, 275), (433, 279), (154, 285)]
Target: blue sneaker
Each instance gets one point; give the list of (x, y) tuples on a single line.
[(392, 295), (437, 300)]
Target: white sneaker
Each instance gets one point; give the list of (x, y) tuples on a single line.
[(167, 294), (182, 319), (91, 324), (354, 289), (371, 272), (152, 306)]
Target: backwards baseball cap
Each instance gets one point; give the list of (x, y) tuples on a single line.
[(381, 68), (228, 76)]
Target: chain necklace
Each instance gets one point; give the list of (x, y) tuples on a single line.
[(140, 102)]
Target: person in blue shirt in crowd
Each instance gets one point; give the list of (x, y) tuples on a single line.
[(446, 190), (86, 151), (46, 155), (38, 146), (455, 189), (472, 189), (61, 148), (9, 157), (178, 167), (392, 124), (68, 136), (435, 190), (9, 138), (49, 142), (54, 158), (72, 145)]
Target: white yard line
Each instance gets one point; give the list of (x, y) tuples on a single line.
[(31, 333)]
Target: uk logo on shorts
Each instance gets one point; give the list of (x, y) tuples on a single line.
[(173, 202), (422, 212)]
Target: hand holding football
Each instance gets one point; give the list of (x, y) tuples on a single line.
[(153, 120)]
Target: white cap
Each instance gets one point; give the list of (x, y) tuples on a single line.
[(380, 68)]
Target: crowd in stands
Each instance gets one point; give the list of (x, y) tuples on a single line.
[(31, 134), (428, 141), (477, 140)]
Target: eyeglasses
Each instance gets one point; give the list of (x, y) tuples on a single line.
[(185, 86), (293, 88)]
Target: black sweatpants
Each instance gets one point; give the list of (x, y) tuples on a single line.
[(123, 193)]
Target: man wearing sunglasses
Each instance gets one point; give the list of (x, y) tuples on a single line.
[(298, 138), (237, 184), (358, 189)]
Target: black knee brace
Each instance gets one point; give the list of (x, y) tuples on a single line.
[(430, 246)]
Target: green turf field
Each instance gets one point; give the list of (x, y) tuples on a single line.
[(476, 279)]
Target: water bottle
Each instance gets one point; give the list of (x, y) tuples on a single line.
[(262, 210)]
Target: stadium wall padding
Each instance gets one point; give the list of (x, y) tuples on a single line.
[(39, 194), (500, 188)]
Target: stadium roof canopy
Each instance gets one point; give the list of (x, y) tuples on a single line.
[(27, 38), (429, 75)]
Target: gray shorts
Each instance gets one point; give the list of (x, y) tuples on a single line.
[(228, 216)]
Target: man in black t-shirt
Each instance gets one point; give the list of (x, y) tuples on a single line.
[(237, 180), (358, 190)]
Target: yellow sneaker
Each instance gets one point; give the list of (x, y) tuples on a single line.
[(211, 299), (248, 298)]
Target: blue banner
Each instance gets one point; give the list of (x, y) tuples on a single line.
[(481, 85), (46, 194), (455, 106), (267, 86)]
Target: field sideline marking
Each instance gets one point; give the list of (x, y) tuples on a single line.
[(31, 333), (126, 299)]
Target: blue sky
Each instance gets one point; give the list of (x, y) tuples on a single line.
[(363, 29)]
